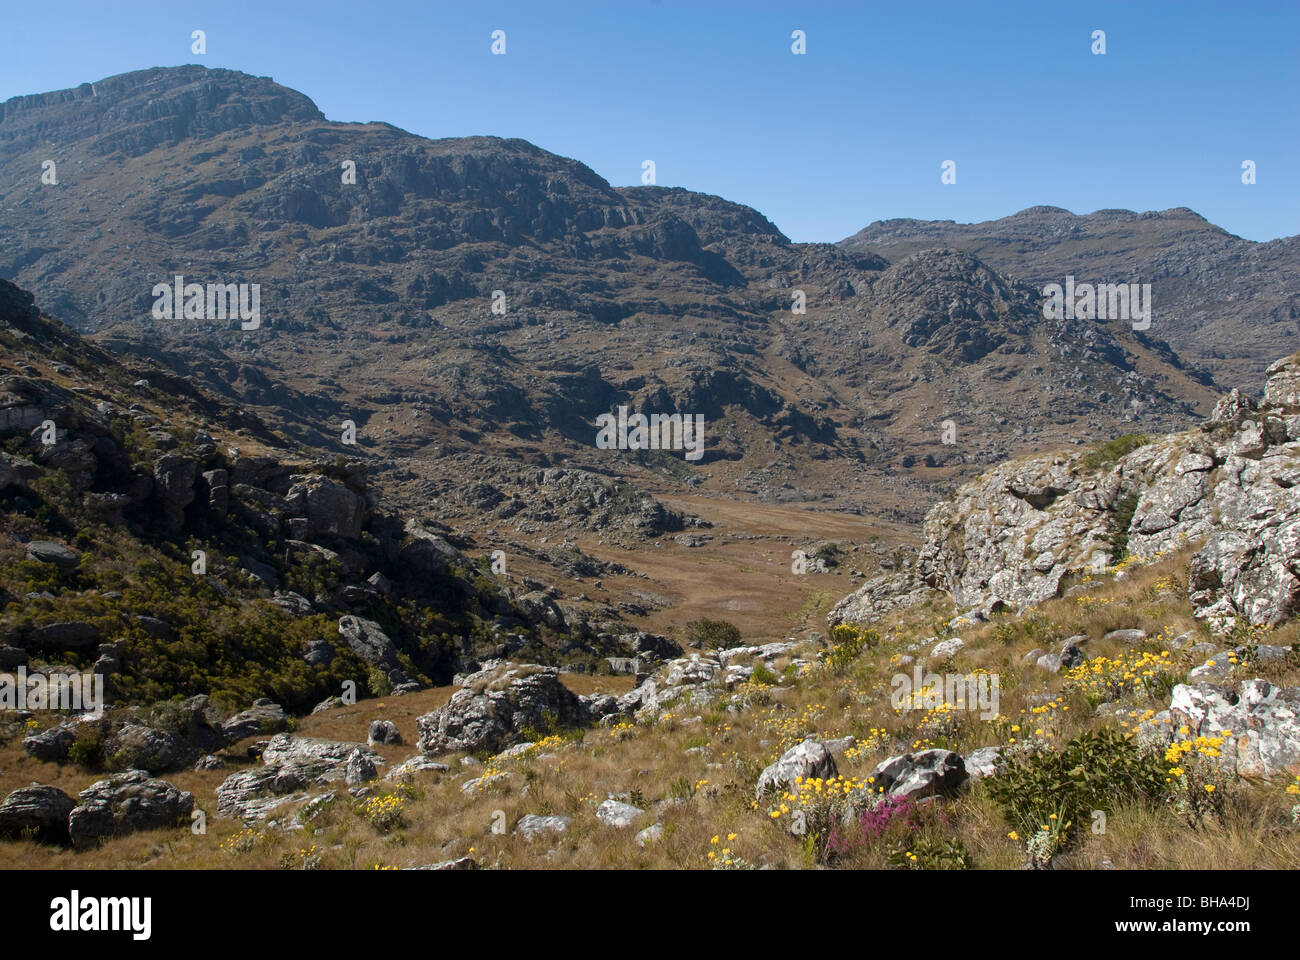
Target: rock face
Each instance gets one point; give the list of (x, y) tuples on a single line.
[(369, 642), (125, 803), (38, 808), (495, 705), (1007, 538), (332, 509), (806, 760)]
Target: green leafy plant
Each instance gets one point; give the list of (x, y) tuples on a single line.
[(713, 634), (1039, 787)]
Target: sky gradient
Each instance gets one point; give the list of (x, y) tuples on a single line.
[(822, 144)]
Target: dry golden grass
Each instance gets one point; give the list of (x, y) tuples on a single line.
[(693, 770)]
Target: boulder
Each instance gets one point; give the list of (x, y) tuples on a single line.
[(369, 642), (983, 762), (38, 809), (264, 716), (253, 794), (531, 825), (285, 748), (492, 713), (47, 551), (946, 649), (65, 635), (52, 745), (359, 768), (614, 813), (806, 760), (1264, 720), (925, 774), (385, 732), (417, 764), (137, 747), (125, 803)]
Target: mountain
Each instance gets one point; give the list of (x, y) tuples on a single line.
[(1225, 304), (483, 297), (113, 474)]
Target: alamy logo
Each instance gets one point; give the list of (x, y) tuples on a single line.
[(659, 431), (74, 913), (961, 691), (1105, 301), (57, 691), (214, 301)]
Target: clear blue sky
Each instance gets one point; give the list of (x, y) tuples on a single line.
[(854, 131)]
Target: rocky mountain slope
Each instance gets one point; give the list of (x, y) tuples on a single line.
[(1032, 528), (380, 304), (170, 542), (1227, 305)]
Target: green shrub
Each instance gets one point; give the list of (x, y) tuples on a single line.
[(713, 634), (378, 683), (1111, 450), (847, 643), (1058, 789), (921, 852), (762, 676), (87, 751)]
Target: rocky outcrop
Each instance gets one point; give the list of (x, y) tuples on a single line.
[(495, 705), (125, 803), (1008, 538), (292, 766)]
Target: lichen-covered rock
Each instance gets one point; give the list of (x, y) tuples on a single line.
[(125, 803), (497, 705), (925, 774), (38, 809), (806, 760), (1009, 537), (1263, 720)]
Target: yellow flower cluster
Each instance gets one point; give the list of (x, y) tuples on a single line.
[(383, 813), (243, 841), (720, 857), (1106, 678), (622, 730), (1201, 746), (790, 728), (544, 745), (867, 745)]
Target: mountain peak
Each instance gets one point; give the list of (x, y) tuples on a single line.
[(138, 111)]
